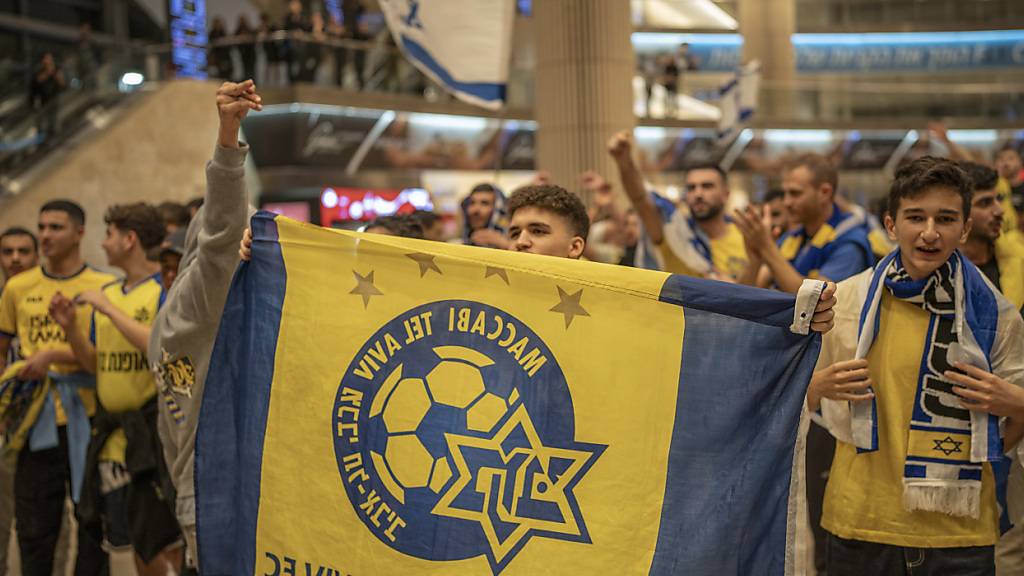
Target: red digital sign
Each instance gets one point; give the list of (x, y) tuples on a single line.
[(360, 204), (294, 210)]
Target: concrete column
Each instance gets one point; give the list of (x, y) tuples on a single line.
[(583, 84), (116, 14), (766, 26)]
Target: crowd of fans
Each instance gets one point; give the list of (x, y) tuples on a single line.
[(124, 357), (121, 494), (305, 46)]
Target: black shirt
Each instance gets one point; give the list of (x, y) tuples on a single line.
[(991, 271), (1017, 196), (44, 90)]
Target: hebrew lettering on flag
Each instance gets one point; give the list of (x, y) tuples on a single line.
[(383, 405)]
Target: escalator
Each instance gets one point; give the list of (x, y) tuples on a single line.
[(27, 134)]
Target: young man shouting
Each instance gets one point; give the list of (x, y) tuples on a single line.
[(920, 384)]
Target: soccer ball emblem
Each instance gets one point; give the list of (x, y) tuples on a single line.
[(417, 406)]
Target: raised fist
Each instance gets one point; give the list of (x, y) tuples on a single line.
[(620, 147), (235, 100)]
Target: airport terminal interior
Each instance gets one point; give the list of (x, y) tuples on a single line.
[(114, 102)]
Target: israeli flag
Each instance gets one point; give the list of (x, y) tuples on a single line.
[(738, 99), (464, 45)]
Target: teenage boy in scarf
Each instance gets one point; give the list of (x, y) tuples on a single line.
[(920, 384), (829, 244)]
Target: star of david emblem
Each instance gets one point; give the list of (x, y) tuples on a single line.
[(141, 315), (947, 445), (517, 488)]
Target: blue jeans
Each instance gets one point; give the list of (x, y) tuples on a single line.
[(858, 558)]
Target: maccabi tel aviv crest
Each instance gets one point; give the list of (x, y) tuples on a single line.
[(454, 433)]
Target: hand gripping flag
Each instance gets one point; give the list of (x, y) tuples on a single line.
[(381, 405), (463, 45)]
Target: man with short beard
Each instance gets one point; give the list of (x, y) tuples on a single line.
[(484, 217), (697, 242), (1001, 260)]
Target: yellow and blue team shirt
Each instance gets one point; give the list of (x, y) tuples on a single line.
[(728, 255), (839, 249), (864, 496), (13, 349), (24, 314), (1009, 255), (1005, 194), (123, 380)]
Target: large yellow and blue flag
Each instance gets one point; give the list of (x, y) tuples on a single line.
[(381, 405)]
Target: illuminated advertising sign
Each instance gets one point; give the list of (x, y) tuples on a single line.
[(918, 51), (339, 205), (333, 8), (870, 52), (188, 37)]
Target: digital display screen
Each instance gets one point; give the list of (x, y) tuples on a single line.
[(295, 210), (339, 205), (188, 37)]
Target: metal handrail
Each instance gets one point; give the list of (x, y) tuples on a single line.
[(307, 37)]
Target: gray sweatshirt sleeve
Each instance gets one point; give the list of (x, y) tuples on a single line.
[(222, 222), (186, 327)]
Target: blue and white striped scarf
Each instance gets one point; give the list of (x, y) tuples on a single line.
[(946, 444), (689, 243), (647, 255)]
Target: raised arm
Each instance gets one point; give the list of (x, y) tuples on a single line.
[(620, 147), (199, 291), (956, 151)]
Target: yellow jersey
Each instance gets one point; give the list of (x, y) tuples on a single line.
[(24, 313), (123, 379), (864, 495), (1009, 255), (728, 255), (1009, 211)]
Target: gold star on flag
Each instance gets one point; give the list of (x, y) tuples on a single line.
[(426, 262), (569, 305), (365, 288), (495, 271)]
